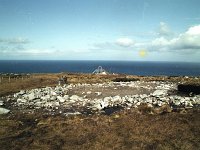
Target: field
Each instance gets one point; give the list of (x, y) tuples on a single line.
[(125, 129)]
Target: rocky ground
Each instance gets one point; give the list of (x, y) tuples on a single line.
[(99, 112)]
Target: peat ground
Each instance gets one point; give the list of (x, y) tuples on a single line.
[(125, 129)]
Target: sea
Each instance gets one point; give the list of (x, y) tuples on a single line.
[(142, 68)]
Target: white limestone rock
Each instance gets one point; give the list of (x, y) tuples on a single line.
[(31, 96), (53, 98), (66, 97), (98, 93), (22, 92), (159, 93), (74, 97), (61, 99), (177, 103), (4, 111), (1, 103), (19, 100), (89, 92)]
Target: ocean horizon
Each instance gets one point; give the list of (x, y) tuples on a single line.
[(142, 68)]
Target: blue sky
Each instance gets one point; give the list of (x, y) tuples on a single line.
[(144, 30)]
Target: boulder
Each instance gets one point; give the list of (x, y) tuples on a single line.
[(159, 93), (4, 111)]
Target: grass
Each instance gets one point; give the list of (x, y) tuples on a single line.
[(127, 129)]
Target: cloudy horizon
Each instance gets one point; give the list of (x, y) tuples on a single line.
[(128, 30)]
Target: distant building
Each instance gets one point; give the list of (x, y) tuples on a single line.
[(100, 70)]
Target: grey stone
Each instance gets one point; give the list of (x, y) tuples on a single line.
[(19, 100), (182, 100), (98, 93), (31, 96), (53, 98), (4, 111), (22, 92), (177, 103), (61, 99), (89, 92), (66, 97), (74, 97), (159, 93), (1, 103), (39, 104)]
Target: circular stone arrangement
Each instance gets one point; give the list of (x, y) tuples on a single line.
[(95, 98)]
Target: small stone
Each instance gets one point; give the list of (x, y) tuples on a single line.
[(66, 97), (138, 103), (89, 92), (19, 100), (53, 98), (22, 92), (53, 93), (31, 96), (116, 116), (56, 104), (1, 103), (177, 103), (61, 99), (48, 104), (98, 93), (149, 105), (39, 104), (182, 100), (74, 97)]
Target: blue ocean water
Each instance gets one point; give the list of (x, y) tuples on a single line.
[(123, 67)]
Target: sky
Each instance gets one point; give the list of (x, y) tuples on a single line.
[(127, 30)]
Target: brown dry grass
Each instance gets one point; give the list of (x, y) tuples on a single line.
[(127, 129), (124, 130), (41, 80)]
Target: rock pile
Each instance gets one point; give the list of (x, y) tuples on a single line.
[(58, 98)]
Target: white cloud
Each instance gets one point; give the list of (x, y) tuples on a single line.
[(164, 30), (195, 30), (37, 52), (184, 43), (28, 52), (17, 40), (187, 41), (125, 42)]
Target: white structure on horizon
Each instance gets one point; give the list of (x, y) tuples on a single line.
[(100, 70)]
